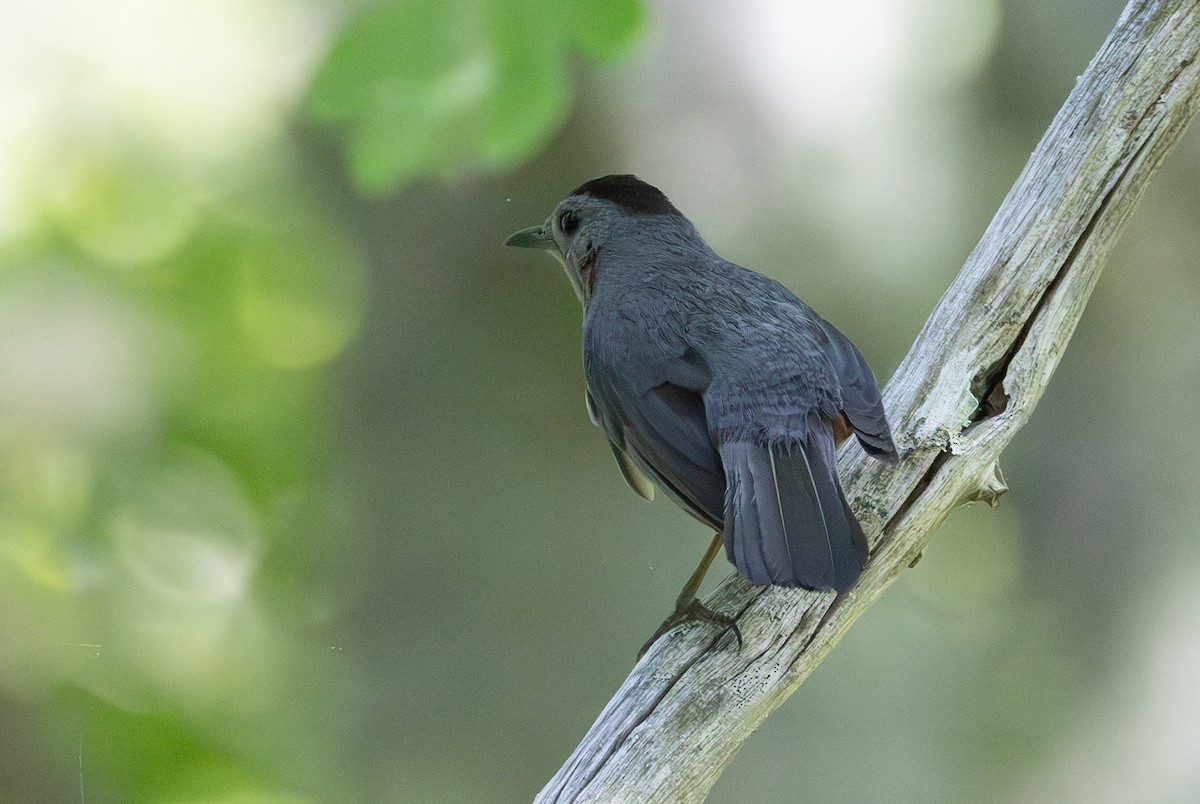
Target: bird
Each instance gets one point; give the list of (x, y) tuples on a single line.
[(719, 387)]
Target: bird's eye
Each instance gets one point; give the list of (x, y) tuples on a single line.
[(568, 221)]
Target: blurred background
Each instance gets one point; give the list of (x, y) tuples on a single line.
[(298, 498)]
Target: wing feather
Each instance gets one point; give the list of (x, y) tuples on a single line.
[(861, 399), (633, 476), (661, 428)]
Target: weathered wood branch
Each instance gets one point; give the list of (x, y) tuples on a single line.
[(967, 386)]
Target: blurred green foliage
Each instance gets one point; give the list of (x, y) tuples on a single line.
[(168, 313), (162, 443), (425, 88)]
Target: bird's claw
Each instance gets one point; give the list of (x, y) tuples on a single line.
[(693, 609)]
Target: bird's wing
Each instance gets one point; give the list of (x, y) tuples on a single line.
[(629, 470), (652, 409), (633, 476), (861, 400)]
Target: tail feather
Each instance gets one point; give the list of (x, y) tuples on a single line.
[(786, 519), (746, 550)]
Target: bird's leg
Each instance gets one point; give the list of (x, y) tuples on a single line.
[(688, 593), (689, 607)]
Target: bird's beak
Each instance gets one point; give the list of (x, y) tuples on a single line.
[(533, 237)]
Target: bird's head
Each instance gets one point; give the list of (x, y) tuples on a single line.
[(579, 227)]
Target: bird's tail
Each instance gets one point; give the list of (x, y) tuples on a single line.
[(786, 518)]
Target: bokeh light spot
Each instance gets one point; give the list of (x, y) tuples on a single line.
[(76, 362), (299, 300), (127, 215)]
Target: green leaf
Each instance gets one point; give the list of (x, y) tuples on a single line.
[(603, 29), (420, 88)]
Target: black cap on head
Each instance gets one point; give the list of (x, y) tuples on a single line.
[(630, 192)]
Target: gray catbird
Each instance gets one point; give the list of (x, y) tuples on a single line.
[(718, 386)]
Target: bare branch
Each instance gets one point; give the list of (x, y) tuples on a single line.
[(969, 383)]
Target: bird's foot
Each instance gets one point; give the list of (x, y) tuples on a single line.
[(692, 609)]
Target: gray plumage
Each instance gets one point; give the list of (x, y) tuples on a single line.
[(717, 384)]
